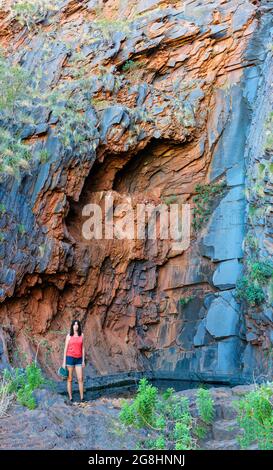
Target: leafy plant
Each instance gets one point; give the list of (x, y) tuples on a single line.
[(205, 405), (21, 229), (44, 156), (255, 417), (13, 85), (19, 95), (69, 109), (200, 431), (30, 12), (205, 196), (183, 302), (166, 417), (133, 69), (108, 26), (260, 271), (129, 65), (2, 208), (99, 103), (252, 242), (14, 153), (6, 397), (23, 382), (170, 200), (269, 132), (249, 287), (246, 290), (142, 410)]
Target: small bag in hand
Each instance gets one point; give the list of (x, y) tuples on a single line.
[(63, 372)]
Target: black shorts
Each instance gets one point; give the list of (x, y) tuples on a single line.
[(73, 361)]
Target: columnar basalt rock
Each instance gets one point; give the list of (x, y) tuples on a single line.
[(169, 95)]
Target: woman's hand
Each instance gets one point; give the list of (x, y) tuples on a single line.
[(83, 363), (64, 365)]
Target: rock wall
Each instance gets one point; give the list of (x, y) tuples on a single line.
[(173, 94)]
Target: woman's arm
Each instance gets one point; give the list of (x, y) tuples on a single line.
[(83, 352), (65, 349)]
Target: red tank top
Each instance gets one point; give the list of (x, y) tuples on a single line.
[(74, 348)]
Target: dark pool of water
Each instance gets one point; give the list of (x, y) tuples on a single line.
[(128, 391)]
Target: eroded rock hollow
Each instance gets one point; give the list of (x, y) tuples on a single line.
[(175, 96)]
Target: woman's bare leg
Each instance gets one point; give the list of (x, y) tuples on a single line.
[(80, 379), (69, 381)]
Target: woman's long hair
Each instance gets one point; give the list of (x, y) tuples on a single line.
[(79, 328)]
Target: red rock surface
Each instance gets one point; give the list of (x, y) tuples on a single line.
[(126, 292)]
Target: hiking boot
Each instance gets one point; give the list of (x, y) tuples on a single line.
[(69, 401)]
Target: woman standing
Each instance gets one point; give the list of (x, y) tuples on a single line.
[(74, 356)]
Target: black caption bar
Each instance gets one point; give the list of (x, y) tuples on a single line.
[(120, 459)]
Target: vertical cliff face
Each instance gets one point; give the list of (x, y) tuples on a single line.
[(160, 102)]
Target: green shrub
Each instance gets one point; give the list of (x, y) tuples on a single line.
[(6, 397), (15, 379), (260, 271), (183, 302), (14, 153), (182, 433), (142, 411), (200, 431), (134, 70), (99, 103), (269, 132), (30, 12), (255, 418), (252, 242), (21, 229), (109, 26), (170, 200), (166, 418), (13, 84), (160, 443), (205, 405), (248, 291), (129, 65), (74, 127), (249, 287), (205, 196), (25, 397), (44, 156), (19, 94), (23, 382)]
